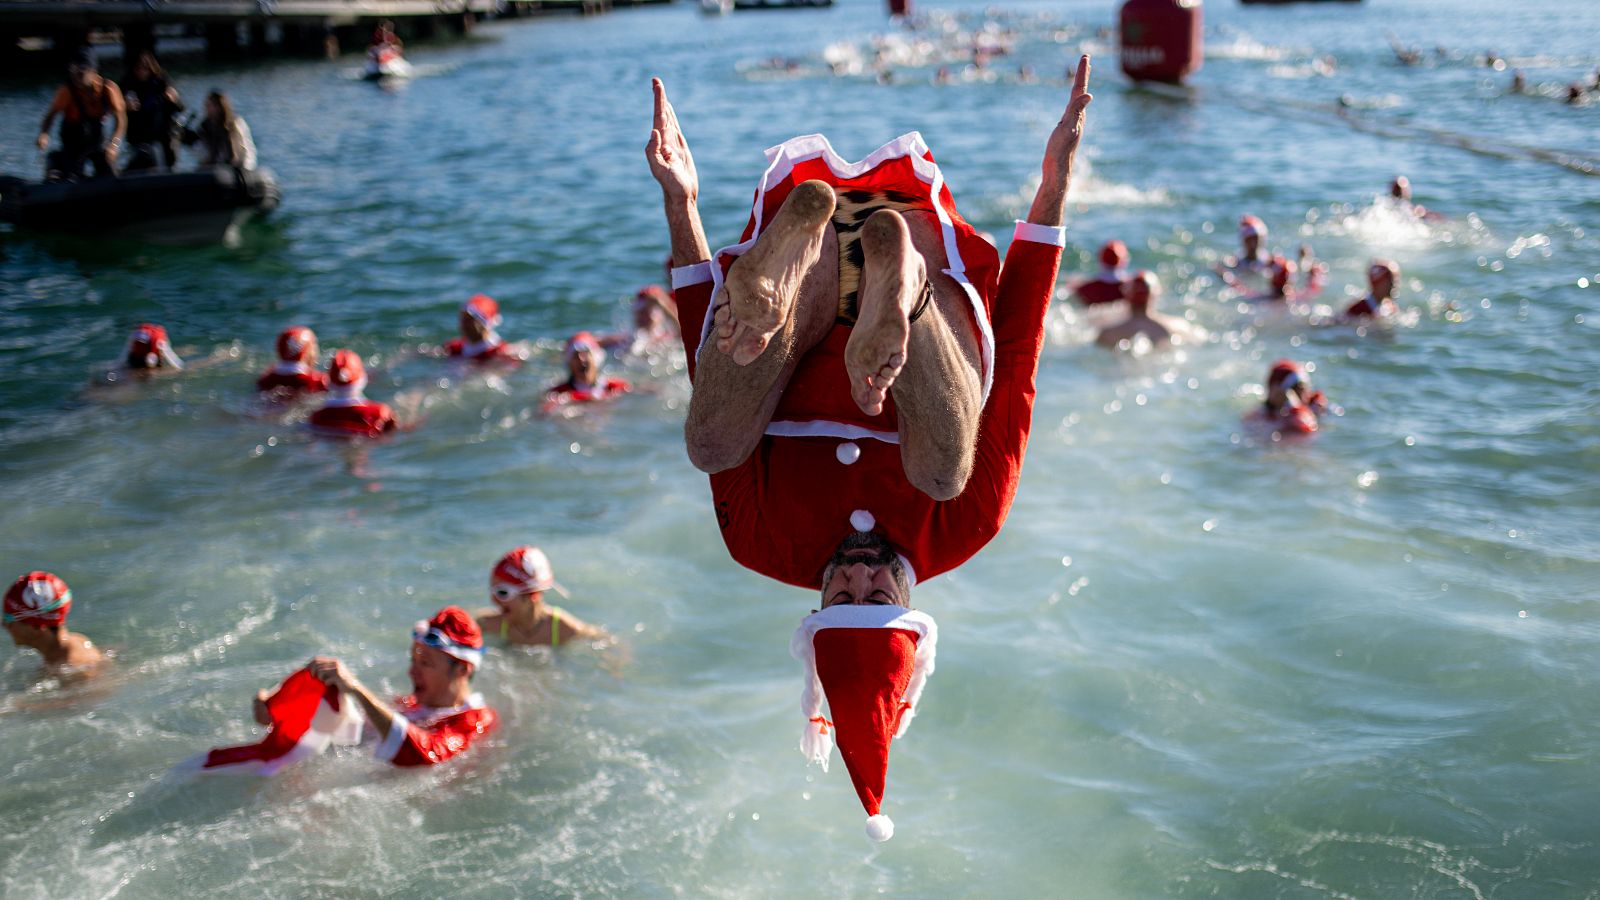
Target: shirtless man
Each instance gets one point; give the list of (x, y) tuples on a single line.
[(863, 382), (1142, 290), (36, 607)]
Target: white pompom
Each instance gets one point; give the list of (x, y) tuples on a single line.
[(861, 520), (880, 827)]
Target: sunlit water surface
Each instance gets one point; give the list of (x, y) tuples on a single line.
[(1195, 663)]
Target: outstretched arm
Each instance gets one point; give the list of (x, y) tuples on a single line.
[(673, 168), (1050, 203)]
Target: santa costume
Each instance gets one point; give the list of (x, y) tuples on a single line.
[(427, 735), (347, 411), (294, 373), (492, 348), (570, 391), (1106, 287)]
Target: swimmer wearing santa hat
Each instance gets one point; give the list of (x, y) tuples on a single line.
[(655, 323), (149, 351), (35, 615), (1291, 406), (479, 341), (442, 715), (584, 356), (517, 585), (1379, 303), (1251, 269), (295, 373), (1106, 287), (347, 411)]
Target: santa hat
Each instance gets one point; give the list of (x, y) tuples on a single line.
[(1250, 226), (870, 663), (306, 717), (38, 598), (1288, 372), (148, 348), (522, 571), (1114, 255), (585, 341), (484, 308), (294, 343), (655, 293), (346, 370), (454, 632)]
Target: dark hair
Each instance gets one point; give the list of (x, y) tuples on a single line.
[(224, 105), (148, 60)]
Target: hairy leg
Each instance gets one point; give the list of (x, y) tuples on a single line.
[(931, 365), (732, 402), (762, 284)]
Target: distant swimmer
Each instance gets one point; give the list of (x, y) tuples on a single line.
[(1291, 406), (1250, 270), (1143, 289), (36, 607), (479, 341), (441, 716), (585, 384), (517, 586), (295, 373), (1519, 82), (863, 378), (150, 351), (1379, 301), (1106, 287), (1400, 195), (347, 411), (1281, 284), (655, 323)]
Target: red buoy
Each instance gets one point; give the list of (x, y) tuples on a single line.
[(1161, 39), (899, 7)]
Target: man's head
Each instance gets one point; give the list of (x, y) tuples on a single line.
[(149, 348), (1252, 231), (479, 317), (82, 69), (1286, 377), (1400, 188), (865, 571), (520, 577), (584, 356), (1142, 290), (1114, 255), (298, 344), (446, 651), (36, 607), (1381, 277)]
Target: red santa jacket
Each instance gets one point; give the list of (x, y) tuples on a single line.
[(829, 469), (498, 352), (1106, 288), (360, 418), (288, 379), (430, 736), (604, 389)]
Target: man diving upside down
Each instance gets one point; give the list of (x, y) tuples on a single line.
[(863, 381)]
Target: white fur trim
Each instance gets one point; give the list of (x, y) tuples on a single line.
[(687, 276), (862, 520), (1055, 235), (826, 428), (393, 741), (880, 828)]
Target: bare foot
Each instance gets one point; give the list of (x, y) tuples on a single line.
[(892, 279), (760, 291)]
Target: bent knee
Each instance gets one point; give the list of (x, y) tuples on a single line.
[(941, 479), (712, 454)]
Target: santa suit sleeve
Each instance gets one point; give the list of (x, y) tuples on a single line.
[(691, 290), (1027, 283), (409, 744)]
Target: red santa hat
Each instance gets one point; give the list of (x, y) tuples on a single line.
[(454, 632), (1288, 372), (655, 294), (306, 717), (870, 663), (583, 340), (1250, 226), (149, 348), (295, 342), (484, 308), (1114, 255), (1282, 270), (346, 370), (522, 571), (38, 598)]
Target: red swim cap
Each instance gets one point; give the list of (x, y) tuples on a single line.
[(523, 570), (1250, 225), (38, 598), (583, 340), (454, 632), (294, 343), (148, 348), (484, 308), (1114, 254), (346, 369), (1285, 369)]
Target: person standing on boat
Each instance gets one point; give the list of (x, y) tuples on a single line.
[(83, 102), (223, 136), (153, 105)]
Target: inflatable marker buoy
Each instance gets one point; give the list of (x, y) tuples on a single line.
[(1161, 39)]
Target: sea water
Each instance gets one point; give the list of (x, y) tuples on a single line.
[(1196, 662)]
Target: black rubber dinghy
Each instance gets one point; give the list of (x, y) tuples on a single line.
[(179, 208)]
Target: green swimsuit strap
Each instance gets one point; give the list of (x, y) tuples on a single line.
[(505, 627), (555, 626)]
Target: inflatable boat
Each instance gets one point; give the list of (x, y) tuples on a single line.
[(170, 208)]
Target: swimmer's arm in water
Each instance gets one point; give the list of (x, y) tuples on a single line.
[(331, 671), (674, 169)]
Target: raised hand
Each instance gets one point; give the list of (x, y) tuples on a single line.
[(1062, 149), (668, 152)]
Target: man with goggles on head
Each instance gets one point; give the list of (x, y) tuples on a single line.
[(517, 587), (442, 715), (36, 607)]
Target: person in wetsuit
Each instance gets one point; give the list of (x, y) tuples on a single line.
[(83, 101), (153, 105)]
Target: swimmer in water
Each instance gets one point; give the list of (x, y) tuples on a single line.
[(655, 323), (1106, 287), (517, 585), (584, 357), (1250, 270), (1143, 288), (36, 607), (150, 352), (295, 373), (1291, 406), (441, 716), (348, 412), (479, 342), (1400, 196), (1519, 82), (1382, 276)]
